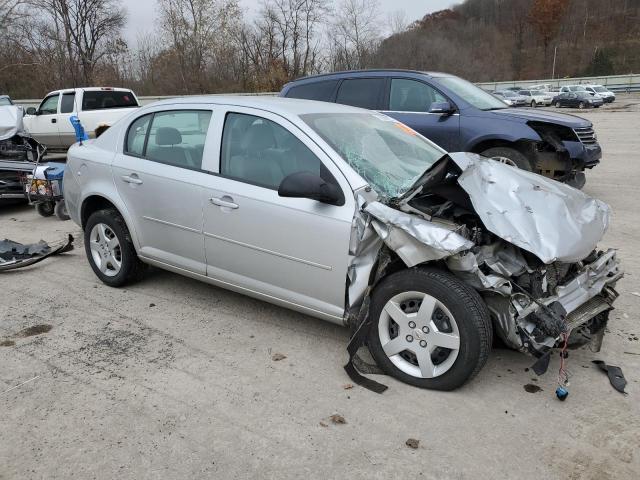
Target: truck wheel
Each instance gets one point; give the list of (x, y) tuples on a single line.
[(109, 249), (61, 211), (510, 156), (46, 209), (429, 329)]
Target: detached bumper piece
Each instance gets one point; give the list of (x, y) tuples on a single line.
[(15, 255)]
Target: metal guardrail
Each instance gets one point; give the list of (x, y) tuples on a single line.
[(616, 83)]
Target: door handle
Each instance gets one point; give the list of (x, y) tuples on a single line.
[(223, 203), (54, 120), (133, 178)]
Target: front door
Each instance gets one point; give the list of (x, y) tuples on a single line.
[(294, 251), (409, 103), (159, 177), (43, 126)]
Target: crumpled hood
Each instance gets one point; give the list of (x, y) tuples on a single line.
[(552, 220), (571, 121)]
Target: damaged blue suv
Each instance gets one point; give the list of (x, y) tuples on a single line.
[(459, 116)]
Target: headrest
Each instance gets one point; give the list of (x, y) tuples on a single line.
[(168, 136), (259, 138)]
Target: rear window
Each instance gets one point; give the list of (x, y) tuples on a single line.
[(322, 91), (361, 92), (103, 99)]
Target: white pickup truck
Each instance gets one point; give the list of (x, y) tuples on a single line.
[(49, 124)]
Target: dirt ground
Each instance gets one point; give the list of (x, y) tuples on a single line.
[(172, 378)]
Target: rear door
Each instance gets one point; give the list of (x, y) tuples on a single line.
[(159, 176), (409, 102), (293, 251), (44, 125)]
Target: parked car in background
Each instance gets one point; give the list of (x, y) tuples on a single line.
[(572, 88), (543, 87), (536, 98), (49, 124), (381, 225), (511, 98), (514, 89), (459, 116), (5, 100), (577, 100), (606, 95)]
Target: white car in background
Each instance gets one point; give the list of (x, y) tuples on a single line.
[(537, 98), (607, 95), (50, 123)]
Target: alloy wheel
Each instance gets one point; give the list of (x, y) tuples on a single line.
[(419, 334), (106, 251)]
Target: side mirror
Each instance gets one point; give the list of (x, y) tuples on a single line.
[(308, 185), (440, 107), (32, 111)]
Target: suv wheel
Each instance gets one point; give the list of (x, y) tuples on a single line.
[(110, 250), (534, 104), (510, 156), (429, 329)]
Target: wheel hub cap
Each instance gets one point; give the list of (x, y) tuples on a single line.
[(419, 334), (106, 252)]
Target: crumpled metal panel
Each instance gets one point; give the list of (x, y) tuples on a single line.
[(414, 239), (545, 217), (466, 265), (10, 121)]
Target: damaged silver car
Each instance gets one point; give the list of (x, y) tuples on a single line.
[(352, 217)]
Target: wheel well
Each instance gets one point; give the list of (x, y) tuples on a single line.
[(93, 204), (523, 146)]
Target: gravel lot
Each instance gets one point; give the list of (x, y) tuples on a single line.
[(172, 378)]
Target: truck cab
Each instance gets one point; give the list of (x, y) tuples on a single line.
[(50, 123)]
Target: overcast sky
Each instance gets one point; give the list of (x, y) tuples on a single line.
[(142, 13)]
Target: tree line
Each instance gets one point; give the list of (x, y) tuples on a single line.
[(209, 46)]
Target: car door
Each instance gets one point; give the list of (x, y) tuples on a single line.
[(159, 177), (65, 128), (409, 102), (572, 99), (291, 251), (43, 126)]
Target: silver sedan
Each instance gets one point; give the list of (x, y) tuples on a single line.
[(349, 216)]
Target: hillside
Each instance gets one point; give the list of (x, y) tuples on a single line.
[(492, 40)]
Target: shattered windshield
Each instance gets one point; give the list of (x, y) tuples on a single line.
[(386, 153)]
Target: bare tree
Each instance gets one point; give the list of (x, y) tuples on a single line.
[(355, 33), (397, 22)]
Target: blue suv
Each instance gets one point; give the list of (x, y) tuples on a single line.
[(459, 116)]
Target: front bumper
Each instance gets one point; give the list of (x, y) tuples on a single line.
[(584, 155)]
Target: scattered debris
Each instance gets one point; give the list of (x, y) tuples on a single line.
[(347, 386), (412, 443), (632, 353), (322, 424), (636, 294), (616, 377), (531, 388), (152, 305), (34, 330), (337, 419), (276, 357), (16, 255)]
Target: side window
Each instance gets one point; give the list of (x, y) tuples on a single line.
[(177, 137), (137, 135), (68, 102), (49, 105), (413, 96), (322, 91), (361, 92), (261, 152)]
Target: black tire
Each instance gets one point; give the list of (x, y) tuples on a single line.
[(558, 105), (61, 211), (512, 154), (466, 306), (533, 104), (46, 209), (132, 268), (581, 105)]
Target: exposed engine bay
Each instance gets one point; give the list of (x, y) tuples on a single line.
[(526, 243)]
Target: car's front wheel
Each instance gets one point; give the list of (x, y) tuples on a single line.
[(558, 105), (429, 329), (109, 248), (510, 156), (533, 104), (582, 105)]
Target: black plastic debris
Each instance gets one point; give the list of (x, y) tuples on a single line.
[(616, 377), (15, 255)]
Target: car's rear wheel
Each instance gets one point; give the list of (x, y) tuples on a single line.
[(109, 248), (581, 105), (533, 104), (558, 105), (429, 329), (61, 210), (510, 156)]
